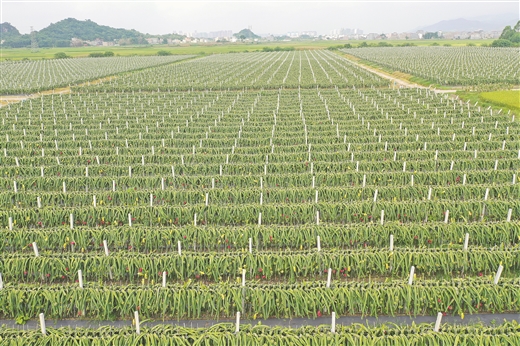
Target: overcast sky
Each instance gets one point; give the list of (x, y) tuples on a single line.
[(275, 17)]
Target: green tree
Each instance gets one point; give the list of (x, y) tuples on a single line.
[(501, 43), (430, 35), (507, 33), (108, 53), (61, 55), (163, 53)]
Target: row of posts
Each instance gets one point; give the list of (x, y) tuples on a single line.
[(382, 219)]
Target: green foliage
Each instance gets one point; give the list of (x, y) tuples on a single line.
[(61, 55), (384, 44), (506, 333), (22, 319), (431, 35), (8, 31), (101, 55), (60, 34), (277, 49), (66, 29), (246, 34), (509, 37), (501, 43), (163, 53)]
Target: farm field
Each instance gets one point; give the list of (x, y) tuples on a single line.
[(278, 185), (509, 98), (23, 77), (454, 66), (208, 48)]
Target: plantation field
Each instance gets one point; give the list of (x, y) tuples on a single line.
[(22, 77), (277, 185), (460, 66)]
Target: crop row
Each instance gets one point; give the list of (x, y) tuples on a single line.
[(29, 199), (283, 214), (129, 266), (227, 238), (195, 301), (28, 180), (388, 160), (224, 334)]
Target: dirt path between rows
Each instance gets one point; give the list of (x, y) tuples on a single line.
[(397, 82), (8, 99)]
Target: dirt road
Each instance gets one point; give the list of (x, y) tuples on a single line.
[(396, 82), (8, 99)]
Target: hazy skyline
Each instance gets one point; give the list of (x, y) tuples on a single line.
[(275, 17)]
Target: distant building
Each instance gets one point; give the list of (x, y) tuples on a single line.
[(154, 40), (373, 36), (309, 33), (76, 42), (213, 34)]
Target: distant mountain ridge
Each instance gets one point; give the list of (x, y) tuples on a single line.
[(7, 30), (87, 30), (493, 23), (61, 33)]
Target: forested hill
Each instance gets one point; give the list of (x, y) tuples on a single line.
[(8, 31), (60, 34)]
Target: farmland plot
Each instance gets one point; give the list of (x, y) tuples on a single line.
[(271, 184), (304, 69), (22, 77), (468, 66)]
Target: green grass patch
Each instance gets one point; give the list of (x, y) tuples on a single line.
[(475, 96), (205, 48), (506, 98)]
